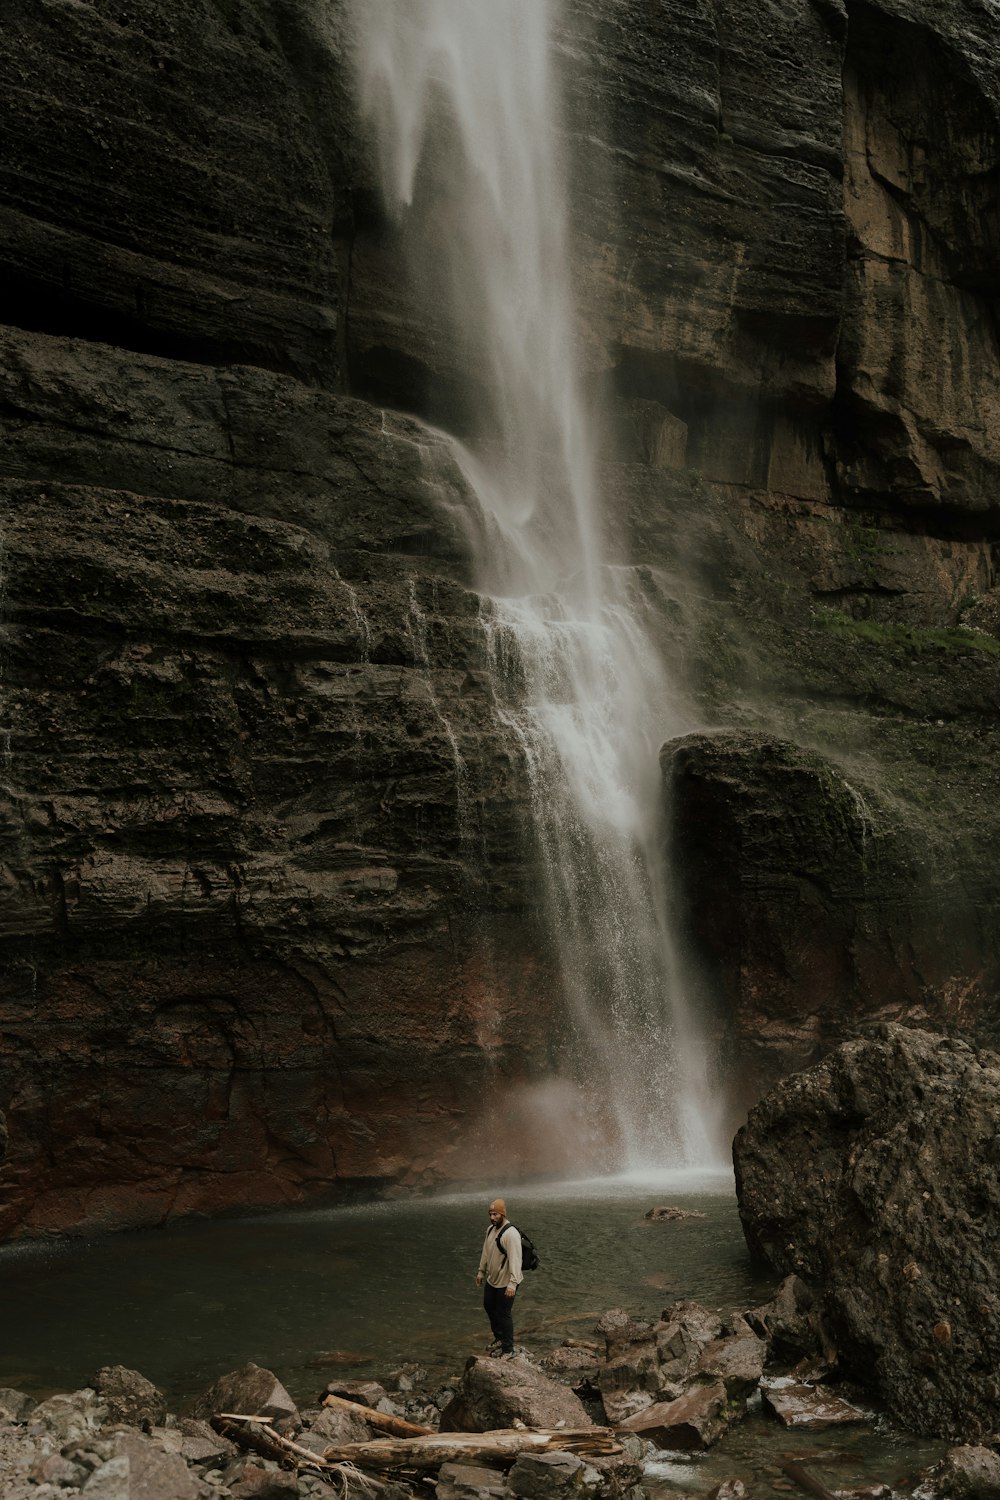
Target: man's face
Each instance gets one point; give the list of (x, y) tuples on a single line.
[(496, 1217)]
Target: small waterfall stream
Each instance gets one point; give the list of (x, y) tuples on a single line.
[(464, 102)]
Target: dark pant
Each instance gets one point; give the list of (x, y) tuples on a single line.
[(500, 1311)]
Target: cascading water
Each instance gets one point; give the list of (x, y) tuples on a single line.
[(463, 98)]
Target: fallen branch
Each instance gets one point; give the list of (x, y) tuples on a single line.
[(421, 1454), (258, 1434), (383, 1420)]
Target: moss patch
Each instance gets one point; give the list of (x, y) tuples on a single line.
[(954, 639)]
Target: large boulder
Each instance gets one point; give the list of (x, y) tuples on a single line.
[(249, 1391), (129, 1397), (968, 1473), (875, 1176), (497, 1393), (809, 897)]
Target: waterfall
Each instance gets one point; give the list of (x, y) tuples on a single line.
[(464, 103)]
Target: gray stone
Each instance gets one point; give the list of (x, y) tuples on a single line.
[(248, 1391), (259, 1483), (570, 1363), (58, 1470), (201, 1444), (110, 1481), (153, 1474), (695, 1420), (664, 1213), (538, 1475), (337, 1425), (685, 1329), (366, 1392), (68, 1418), (314, 1441), (792, 1323), (969, 1472), (496, 1393), (15, 1406), (738, 1361), (129, 1396), (462, 1479)]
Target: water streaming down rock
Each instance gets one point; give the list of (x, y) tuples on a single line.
[(464, 98)]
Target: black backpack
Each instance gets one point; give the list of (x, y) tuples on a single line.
[(529, 1255)]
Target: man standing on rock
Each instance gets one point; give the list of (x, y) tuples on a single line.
[(500, 1267)]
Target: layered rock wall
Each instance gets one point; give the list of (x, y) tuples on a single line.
[(268, 904)]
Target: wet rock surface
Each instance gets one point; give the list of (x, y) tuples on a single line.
[(806, 1407), (970, 1470), (873, 1176)]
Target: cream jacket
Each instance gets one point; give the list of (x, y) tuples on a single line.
[(501, 1269)]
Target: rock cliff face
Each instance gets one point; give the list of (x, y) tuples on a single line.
[(267, 909), (874, 1177)]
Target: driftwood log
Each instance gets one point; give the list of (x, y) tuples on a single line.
[(422, 1454), (257, 1434), (396, 1426)]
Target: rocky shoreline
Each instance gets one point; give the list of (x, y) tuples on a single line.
[(867, 1182), (582, 1420)]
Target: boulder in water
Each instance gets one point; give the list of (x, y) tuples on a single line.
[(665, 1213), (695, 1420), (966, 1473), (875, 1176), (809, 1407), (729, 1489)]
